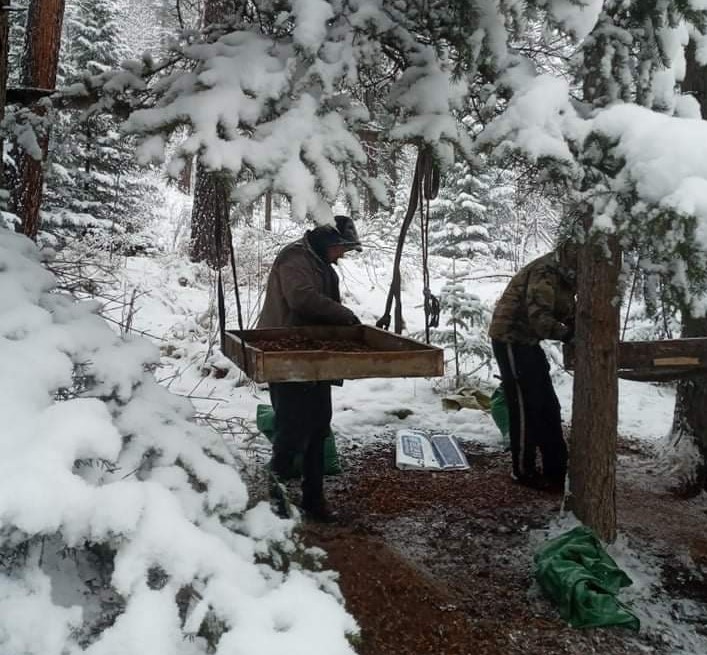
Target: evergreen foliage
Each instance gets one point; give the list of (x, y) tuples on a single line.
[(466, 319), (460, 218), (304, 98), (94, 186), (486, 214)]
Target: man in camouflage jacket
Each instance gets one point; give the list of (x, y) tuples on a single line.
[(537, 304), (303, 289)]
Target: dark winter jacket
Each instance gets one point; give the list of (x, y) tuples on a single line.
[(538, 303), (303, 289)]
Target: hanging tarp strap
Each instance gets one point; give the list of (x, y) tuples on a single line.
[(394, 290), (218, 238), (425, 184), (220, 223), (431, 303)]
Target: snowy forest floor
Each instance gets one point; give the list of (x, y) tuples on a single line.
[(441, 563)]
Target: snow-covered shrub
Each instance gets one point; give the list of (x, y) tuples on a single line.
[(125, 527)]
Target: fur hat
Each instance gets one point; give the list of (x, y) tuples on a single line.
[(344, 234)]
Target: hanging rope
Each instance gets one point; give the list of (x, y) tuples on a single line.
[(425, 183), (630, 300)]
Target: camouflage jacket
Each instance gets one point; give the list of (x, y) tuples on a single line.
[(538, 303)]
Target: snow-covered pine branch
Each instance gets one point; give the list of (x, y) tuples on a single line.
[(278, 107), (154, 542), (641, 170)]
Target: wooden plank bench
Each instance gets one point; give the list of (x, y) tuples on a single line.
[(656, 361)]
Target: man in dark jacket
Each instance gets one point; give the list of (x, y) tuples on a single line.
[(303, 289), (537, 304)]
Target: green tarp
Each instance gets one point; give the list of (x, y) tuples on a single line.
[(499, 411), (579, 576), (265, 420)]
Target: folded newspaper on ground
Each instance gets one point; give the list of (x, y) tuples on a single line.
[(436, 452)]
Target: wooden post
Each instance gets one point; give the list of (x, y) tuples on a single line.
[(39, 68), (454, 324)]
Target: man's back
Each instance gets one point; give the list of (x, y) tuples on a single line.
[(537, 304)]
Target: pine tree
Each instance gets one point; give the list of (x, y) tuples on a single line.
[(212, 192), (92, 40), (16, 39), (461, 216), (487, 216), (94, 182), (629, 52), (286, 68), (466, 321), (689, 430), (39, 70)]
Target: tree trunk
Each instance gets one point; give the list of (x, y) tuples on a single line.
[(248, 213), (690, 418), (695, 81), (268, 211), (39, 68), (184, 179), (4, 49), (370, 146), (216, 11), (209, 218), (592, 465), (212, 189), (393, 171)]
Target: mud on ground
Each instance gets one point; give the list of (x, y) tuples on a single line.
[(441, 563)]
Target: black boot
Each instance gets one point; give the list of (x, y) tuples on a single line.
[(539, 482), (318, 511)]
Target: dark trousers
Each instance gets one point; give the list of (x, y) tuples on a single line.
[(302, 419), (533, 408)]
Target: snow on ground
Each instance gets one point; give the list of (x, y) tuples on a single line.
[(365, 410), (670, 620), (645, 410), (175, 306), (173, 303), (667, 619)]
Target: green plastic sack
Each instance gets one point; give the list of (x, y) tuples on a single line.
[(582, 580), (265, 420), (499, 411)]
